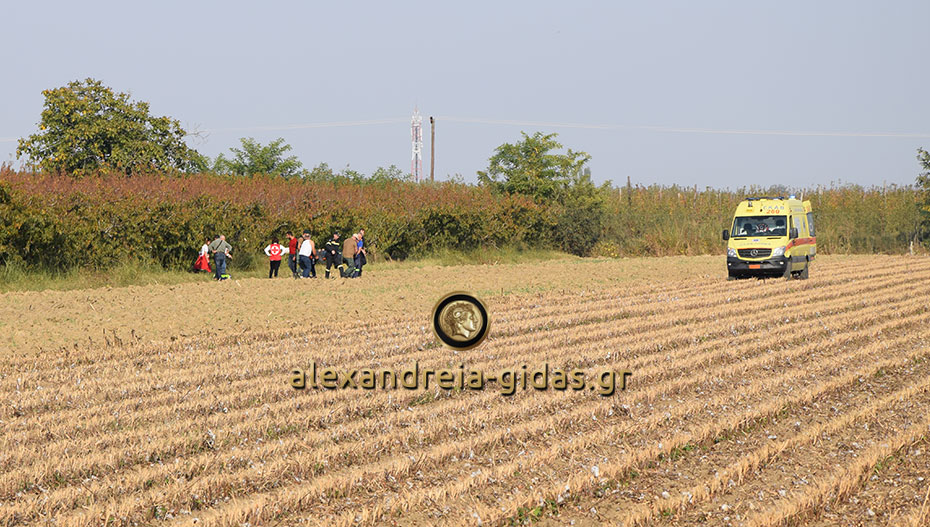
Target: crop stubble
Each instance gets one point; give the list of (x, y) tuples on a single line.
[(206, 428)]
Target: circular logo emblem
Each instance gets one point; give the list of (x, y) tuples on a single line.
[(460, 321), (754, 252)]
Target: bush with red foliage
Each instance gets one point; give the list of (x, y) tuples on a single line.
[(55, 221)]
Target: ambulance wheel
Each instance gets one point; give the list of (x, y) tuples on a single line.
[(805, 272), (788, 274), (731, 276)]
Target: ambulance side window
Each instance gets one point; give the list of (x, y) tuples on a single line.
[(810, 223)]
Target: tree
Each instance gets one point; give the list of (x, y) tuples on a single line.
[(391, 173), (85, 127), (581, 222), (350, 175), (923, 187), (528, 167), (254, 158)]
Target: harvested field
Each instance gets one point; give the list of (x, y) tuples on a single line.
[(751, 402)]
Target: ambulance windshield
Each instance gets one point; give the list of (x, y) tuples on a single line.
[(760, 226)]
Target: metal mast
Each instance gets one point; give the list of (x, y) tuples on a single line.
[(416, 136)]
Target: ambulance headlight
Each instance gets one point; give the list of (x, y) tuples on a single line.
[(778, 251), (731, 253)]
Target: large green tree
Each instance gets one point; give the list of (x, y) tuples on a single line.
[(85, 126), (531, 167), (534, 167), (253, 158)]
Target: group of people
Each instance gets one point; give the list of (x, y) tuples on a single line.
[(221, 251), (346, 257)]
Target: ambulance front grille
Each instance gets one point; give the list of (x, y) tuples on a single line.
[(754, 253)]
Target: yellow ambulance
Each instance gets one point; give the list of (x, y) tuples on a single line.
[(771, 237)]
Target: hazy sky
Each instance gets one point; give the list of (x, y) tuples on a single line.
[(628, 82)]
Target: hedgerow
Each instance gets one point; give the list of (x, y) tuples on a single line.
[(57, 222)]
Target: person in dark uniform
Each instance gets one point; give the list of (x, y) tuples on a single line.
[(331, 253)]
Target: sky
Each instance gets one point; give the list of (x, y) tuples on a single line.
[(713, 94)]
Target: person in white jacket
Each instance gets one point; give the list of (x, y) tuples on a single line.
[(274, 251), (307, 253), (203, 259)]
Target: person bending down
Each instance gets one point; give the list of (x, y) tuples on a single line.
[(349, 248)]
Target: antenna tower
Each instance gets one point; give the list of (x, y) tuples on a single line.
[(416, 137)]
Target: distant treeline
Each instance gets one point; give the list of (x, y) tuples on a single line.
[(658, 220), (59, 222)]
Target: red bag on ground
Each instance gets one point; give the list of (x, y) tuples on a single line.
[(202, 263)]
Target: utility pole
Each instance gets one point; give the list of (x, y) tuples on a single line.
[(432, 149)]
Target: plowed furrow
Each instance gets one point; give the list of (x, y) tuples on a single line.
[(118, 458), (456, 486)]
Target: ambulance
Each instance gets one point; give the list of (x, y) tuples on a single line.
[(771, 237)]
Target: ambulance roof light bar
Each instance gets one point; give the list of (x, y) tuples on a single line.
[(767, 197)]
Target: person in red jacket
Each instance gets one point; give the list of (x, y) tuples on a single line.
[(274, 252), (293, 244)]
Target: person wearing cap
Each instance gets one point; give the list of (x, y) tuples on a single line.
[(349, 248), (331, 253), (306, 253), (293, 244)]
